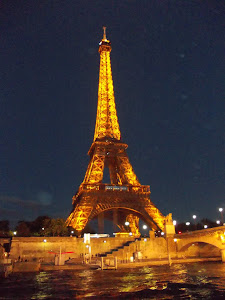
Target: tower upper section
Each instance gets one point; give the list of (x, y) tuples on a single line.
[(107, 125)]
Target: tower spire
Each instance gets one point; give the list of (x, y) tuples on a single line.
[(104, 33), (107, 125)]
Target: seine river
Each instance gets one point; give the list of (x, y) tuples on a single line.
[(180, 281)]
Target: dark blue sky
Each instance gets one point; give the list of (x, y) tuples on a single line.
[(168, 68)]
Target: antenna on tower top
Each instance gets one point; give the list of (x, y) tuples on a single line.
[(104, 33)]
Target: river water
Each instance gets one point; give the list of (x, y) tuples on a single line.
[(179, 281)]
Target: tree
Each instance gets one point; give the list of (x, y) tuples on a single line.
[(4, 228), (55, 227), (38, 224), (23, 228), (208, 222)]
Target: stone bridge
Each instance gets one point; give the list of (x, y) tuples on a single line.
[(213, 236)]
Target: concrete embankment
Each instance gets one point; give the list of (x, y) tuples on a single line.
[(131, 265), (26, 267), (20, 267), (166, 262), (64, 267), (5, 270)]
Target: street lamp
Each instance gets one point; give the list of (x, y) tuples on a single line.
[(218, 222), (174, 222), (205, 226), (187, 223), (44, 245), (145, 226), (127, 223), (194, 217), (221, 211)]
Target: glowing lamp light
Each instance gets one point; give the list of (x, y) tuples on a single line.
[(44, 240), (220, 209), (72, 231), (175, 240), (145, 226), (205, 226), (194, 217), (15, 232), (217, 222), (145, 240), (130, 233), (42, 228), (179, 232), (127, 223), (104, 241), (188, 223), (162, 233), (174, 222)]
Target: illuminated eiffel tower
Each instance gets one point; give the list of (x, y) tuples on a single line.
[(123, 199)]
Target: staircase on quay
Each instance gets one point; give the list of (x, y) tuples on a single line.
[(120, 251)]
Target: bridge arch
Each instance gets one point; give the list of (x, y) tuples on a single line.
[(184, 244), (188, 245)]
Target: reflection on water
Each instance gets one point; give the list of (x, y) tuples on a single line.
[(190, 281)]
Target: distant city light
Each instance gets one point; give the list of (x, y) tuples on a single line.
[(162, 233), (42, 228), (217, 222), (127, 223), (188, 223), (15, 232), (175, 240), (194, 217), (145, 226), (174, 222), (220, 209), (44, 240), (72, 231), (205, 226)]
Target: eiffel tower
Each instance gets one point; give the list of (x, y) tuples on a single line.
[(123, 200)]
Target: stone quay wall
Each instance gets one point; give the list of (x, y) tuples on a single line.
[(32, 248), (46, 248)]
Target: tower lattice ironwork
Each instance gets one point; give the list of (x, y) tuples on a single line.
[(124, 198)]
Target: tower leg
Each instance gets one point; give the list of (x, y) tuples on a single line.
[(115, 220), (101, 223)]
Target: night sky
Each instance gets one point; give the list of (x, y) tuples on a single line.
[(168, 67)]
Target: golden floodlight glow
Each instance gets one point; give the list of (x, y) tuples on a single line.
[(106, 121), (124, 193)]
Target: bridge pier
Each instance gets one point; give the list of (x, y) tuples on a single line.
[(223, 255)]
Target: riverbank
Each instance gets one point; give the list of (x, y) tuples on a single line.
[(166, 262), (21, 267)]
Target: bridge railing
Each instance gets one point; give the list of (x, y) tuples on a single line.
[(200, 232)]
